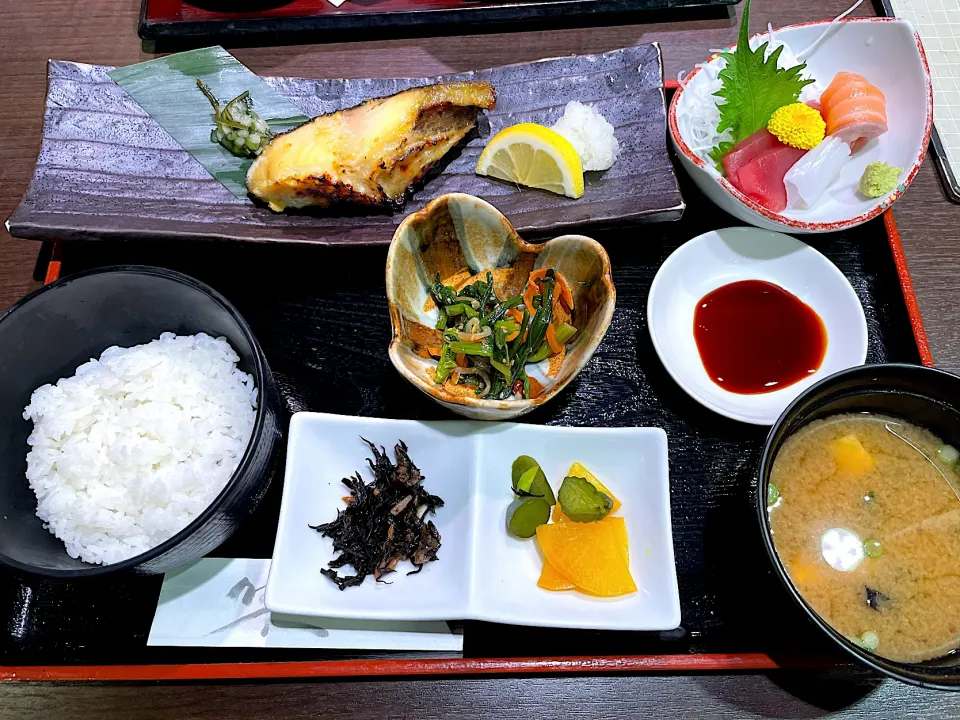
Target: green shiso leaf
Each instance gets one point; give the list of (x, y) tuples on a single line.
[(753, 88), (166, 88)]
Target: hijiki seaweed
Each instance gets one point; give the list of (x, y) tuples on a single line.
[(382, 523)]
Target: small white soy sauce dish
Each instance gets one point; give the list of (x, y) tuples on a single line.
[(720, 257)]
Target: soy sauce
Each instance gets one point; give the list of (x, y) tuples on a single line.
[(755, 337)]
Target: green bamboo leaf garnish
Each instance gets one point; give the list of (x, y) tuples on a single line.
[(754, 86), (167, 89)]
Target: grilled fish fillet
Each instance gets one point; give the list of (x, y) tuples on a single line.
[(370, 153)]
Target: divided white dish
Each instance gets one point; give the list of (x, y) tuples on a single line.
[(482, 572)]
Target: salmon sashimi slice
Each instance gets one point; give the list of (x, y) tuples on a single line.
[(853, 109), (840, 81)]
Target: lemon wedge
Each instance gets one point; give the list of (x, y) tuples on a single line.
[(535, 156)]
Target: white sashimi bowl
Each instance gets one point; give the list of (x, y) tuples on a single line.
[(886, 51)]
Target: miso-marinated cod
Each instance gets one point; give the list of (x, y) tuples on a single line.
[(370, 154)]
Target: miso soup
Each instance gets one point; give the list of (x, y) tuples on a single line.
[(865, 514)]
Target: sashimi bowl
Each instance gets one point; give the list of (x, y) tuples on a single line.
[(814, 190), (459, 240)]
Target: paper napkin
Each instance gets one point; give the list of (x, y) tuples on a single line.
[(219, 602)]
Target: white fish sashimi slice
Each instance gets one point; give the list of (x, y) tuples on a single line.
[(807, 180)]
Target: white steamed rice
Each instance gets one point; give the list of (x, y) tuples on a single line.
[(133, 447)]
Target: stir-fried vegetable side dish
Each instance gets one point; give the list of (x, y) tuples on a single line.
[(488, 342), (382, 523)]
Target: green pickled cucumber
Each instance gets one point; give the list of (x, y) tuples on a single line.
[(529, 478), (582, 502), (526, 514)]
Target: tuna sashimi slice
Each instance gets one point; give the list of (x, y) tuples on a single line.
[(747, 150), (762, 178)]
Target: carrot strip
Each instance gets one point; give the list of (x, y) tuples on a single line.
[(512, 336), (552, 339), (434, 351), (515, 314), (528, 296), (566, 294), (461, 360)]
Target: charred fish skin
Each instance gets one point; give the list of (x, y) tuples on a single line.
[(370, 154)]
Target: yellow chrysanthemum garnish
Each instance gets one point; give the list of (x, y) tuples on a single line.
[(798, 125)]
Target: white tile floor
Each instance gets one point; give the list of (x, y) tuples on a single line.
[(939, 24)]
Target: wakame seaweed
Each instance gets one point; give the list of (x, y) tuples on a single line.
[(383, 523)]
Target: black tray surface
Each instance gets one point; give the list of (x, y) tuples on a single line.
[(321, 316)]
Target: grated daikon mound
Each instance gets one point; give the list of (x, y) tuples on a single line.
[(590, 134)]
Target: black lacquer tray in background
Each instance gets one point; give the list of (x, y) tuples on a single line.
[(313, 20), (303, 306)]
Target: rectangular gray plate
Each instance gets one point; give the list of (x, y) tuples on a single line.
[(107, 170)]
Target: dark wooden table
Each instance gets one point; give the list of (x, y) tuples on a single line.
[(104, 31)]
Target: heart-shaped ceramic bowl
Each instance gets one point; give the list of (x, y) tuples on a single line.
[(459, 236), (886, 51)]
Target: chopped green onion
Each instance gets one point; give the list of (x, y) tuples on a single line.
[(773, 494), (872, 548), (442, 319), (948, 453), (236, 126), (870, 497), (870, 641)]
